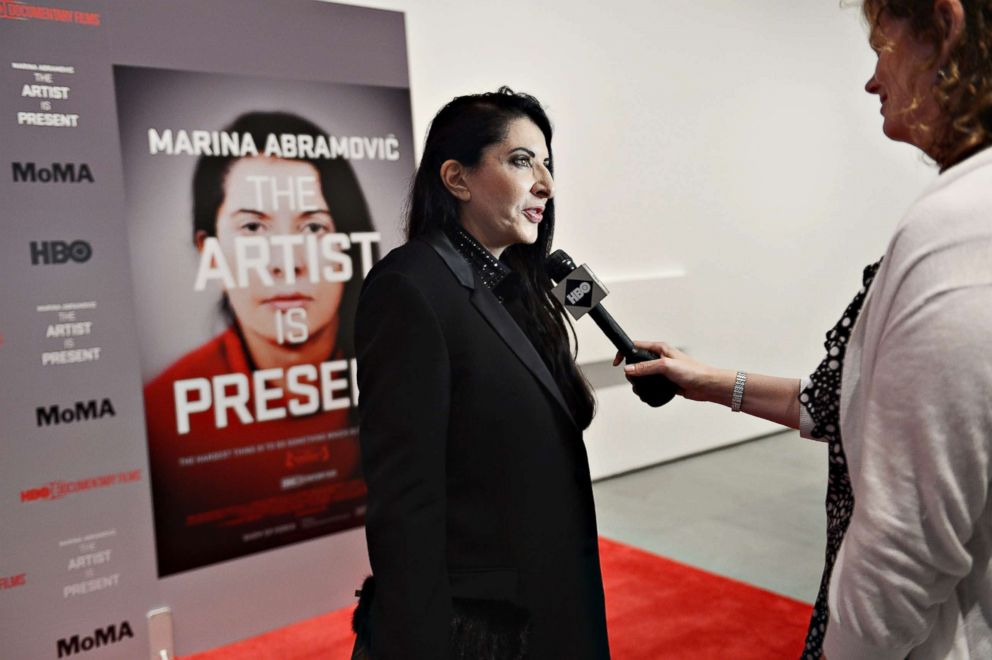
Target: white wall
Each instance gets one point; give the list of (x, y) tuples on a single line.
[(731, 142)]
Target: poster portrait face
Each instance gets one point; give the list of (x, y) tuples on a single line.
[(276, 197), (275, 234), (363, 190)]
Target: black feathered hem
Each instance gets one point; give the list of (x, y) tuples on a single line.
[(481, 629)]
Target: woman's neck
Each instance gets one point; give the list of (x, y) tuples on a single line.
[(475, 231)]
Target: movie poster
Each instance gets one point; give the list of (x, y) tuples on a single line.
[(253, 212)]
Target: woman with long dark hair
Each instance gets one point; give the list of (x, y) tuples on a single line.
[(480, 526)]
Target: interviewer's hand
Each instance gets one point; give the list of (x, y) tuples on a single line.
[(695, 380)]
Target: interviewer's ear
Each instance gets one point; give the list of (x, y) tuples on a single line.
[(949, 15), (453, 178)]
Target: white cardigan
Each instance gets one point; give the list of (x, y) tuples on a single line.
[(913, 576)]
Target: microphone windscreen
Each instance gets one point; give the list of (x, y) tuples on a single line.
[(559, 265)]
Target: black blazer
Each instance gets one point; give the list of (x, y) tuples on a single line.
[(478, 479)]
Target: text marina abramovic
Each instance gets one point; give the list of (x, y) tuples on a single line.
[(277, 145)]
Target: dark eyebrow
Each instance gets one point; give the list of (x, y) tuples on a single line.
[(265, 216)]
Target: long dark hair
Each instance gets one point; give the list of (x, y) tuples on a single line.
[(337, 182), (461, 131)]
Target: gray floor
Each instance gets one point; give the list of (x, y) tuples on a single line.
[(753, 512)]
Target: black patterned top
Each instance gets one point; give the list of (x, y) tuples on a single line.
[(494, 274), (821, 398)]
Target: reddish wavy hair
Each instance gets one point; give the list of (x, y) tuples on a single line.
[(963, 90)]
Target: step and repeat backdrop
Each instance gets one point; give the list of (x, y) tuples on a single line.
[(192, 194)]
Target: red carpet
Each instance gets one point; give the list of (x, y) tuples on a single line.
[(656, 608)]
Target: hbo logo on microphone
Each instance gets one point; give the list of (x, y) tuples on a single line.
[(60, 252), (578, 293)]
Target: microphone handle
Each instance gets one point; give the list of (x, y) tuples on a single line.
[(655, 390)]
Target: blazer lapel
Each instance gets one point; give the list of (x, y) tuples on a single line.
[(489, 307), (508, 330)]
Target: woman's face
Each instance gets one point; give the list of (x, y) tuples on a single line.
[(271, 197), (903, 80), (509, 188)]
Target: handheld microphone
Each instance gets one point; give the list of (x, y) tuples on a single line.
[(581, 293)]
